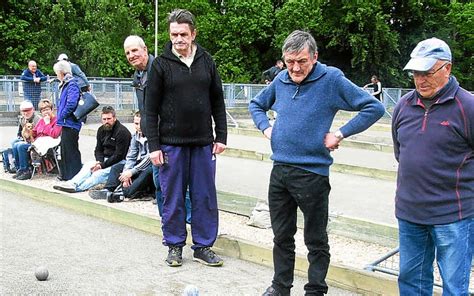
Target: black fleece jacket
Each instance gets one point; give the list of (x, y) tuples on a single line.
[(181, 101), (112, 144)]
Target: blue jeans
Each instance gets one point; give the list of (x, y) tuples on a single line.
[(159, 195), (21, 155), (452, 246), (86, 179)]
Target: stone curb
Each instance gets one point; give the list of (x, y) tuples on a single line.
[(361, 281)]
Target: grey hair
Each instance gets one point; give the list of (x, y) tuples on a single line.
[(62, 67), (297, 41), (134, 40), (182, 16)]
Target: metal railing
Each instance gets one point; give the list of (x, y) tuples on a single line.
[(120, 93), (389, 263)]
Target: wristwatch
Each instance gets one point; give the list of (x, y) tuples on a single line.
[(339, 135)]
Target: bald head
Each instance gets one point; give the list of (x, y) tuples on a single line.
[(136, 52), (32, 66)]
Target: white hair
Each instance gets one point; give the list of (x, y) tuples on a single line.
[(62, 67), (134, 40)]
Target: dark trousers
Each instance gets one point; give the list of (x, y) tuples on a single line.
[(141, 182), (70, 155), (290, 188), (194, 167)]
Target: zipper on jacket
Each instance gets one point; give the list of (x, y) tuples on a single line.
[(296, 93), (425, 118)]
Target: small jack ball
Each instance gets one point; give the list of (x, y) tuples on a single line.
[(41, 273)]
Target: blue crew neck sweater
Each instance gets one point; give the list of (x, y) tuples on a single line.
[(306, 112)]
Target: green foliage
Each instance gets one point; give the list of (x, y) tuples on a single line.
[(462, 42), (361, 37)]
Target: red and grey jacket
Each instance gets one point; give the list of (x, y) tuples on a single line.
[(435, 151)]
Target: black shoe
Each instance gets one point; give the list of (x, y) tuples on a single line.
[(18, 173), (270, 291), (115, 197), (66, 188), (175, 256), (207, 257), (99, 194), (26, 175), (11, 170)]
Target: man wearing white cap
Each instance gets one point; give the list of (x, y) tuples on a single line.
[(77, 73), (28, 115), (433, 135)]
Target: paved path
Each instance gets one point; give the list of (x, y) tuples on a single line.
[(89, 256)]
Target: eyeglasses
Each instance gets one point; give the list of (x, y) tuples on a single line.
[(425, 73)]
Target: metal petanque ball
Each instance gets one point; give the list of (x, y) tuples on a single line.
[(41, 273)]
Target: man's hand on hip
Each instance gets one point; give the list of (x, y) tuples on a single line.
[(268, 133), (331, 141)]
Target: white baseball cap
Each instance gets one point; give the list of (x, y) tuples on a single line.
[(62, 57), (427, 53), (26, 106)]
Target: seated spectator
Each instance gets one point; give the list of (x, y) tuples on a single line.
[(132, 178), (29, 117), (113, 140), (46, 126)]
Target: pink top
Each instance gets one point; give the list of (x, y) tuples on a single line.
[(42, 129)]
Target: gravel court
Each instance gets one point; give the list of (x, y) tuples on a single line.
[(89, 256)]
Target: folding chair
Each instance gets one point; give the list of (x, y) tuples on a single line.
[(44, 154)]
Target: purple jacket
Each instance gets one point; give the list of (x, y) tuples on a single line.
[(435, 151), (68, 102)]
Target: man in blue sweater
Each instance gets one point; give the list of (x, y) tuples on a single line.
[(306, 96), (433, 137)]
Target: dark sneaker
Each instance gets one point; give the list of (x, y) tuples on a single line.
[(270, 291), (65, 187), (175, 256), (207, 257), (115, 197), (99, 194), (26, 175)]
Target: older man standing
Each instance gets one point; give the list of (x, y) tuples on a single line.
[(306, 97), (433, 135), (185, 93), (138, 56), (32, 78), (81, 78)]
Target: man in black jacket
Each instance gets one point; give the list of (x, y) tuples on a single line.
[(272, 72), (138, 56), (185, 93), (113, 140)]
